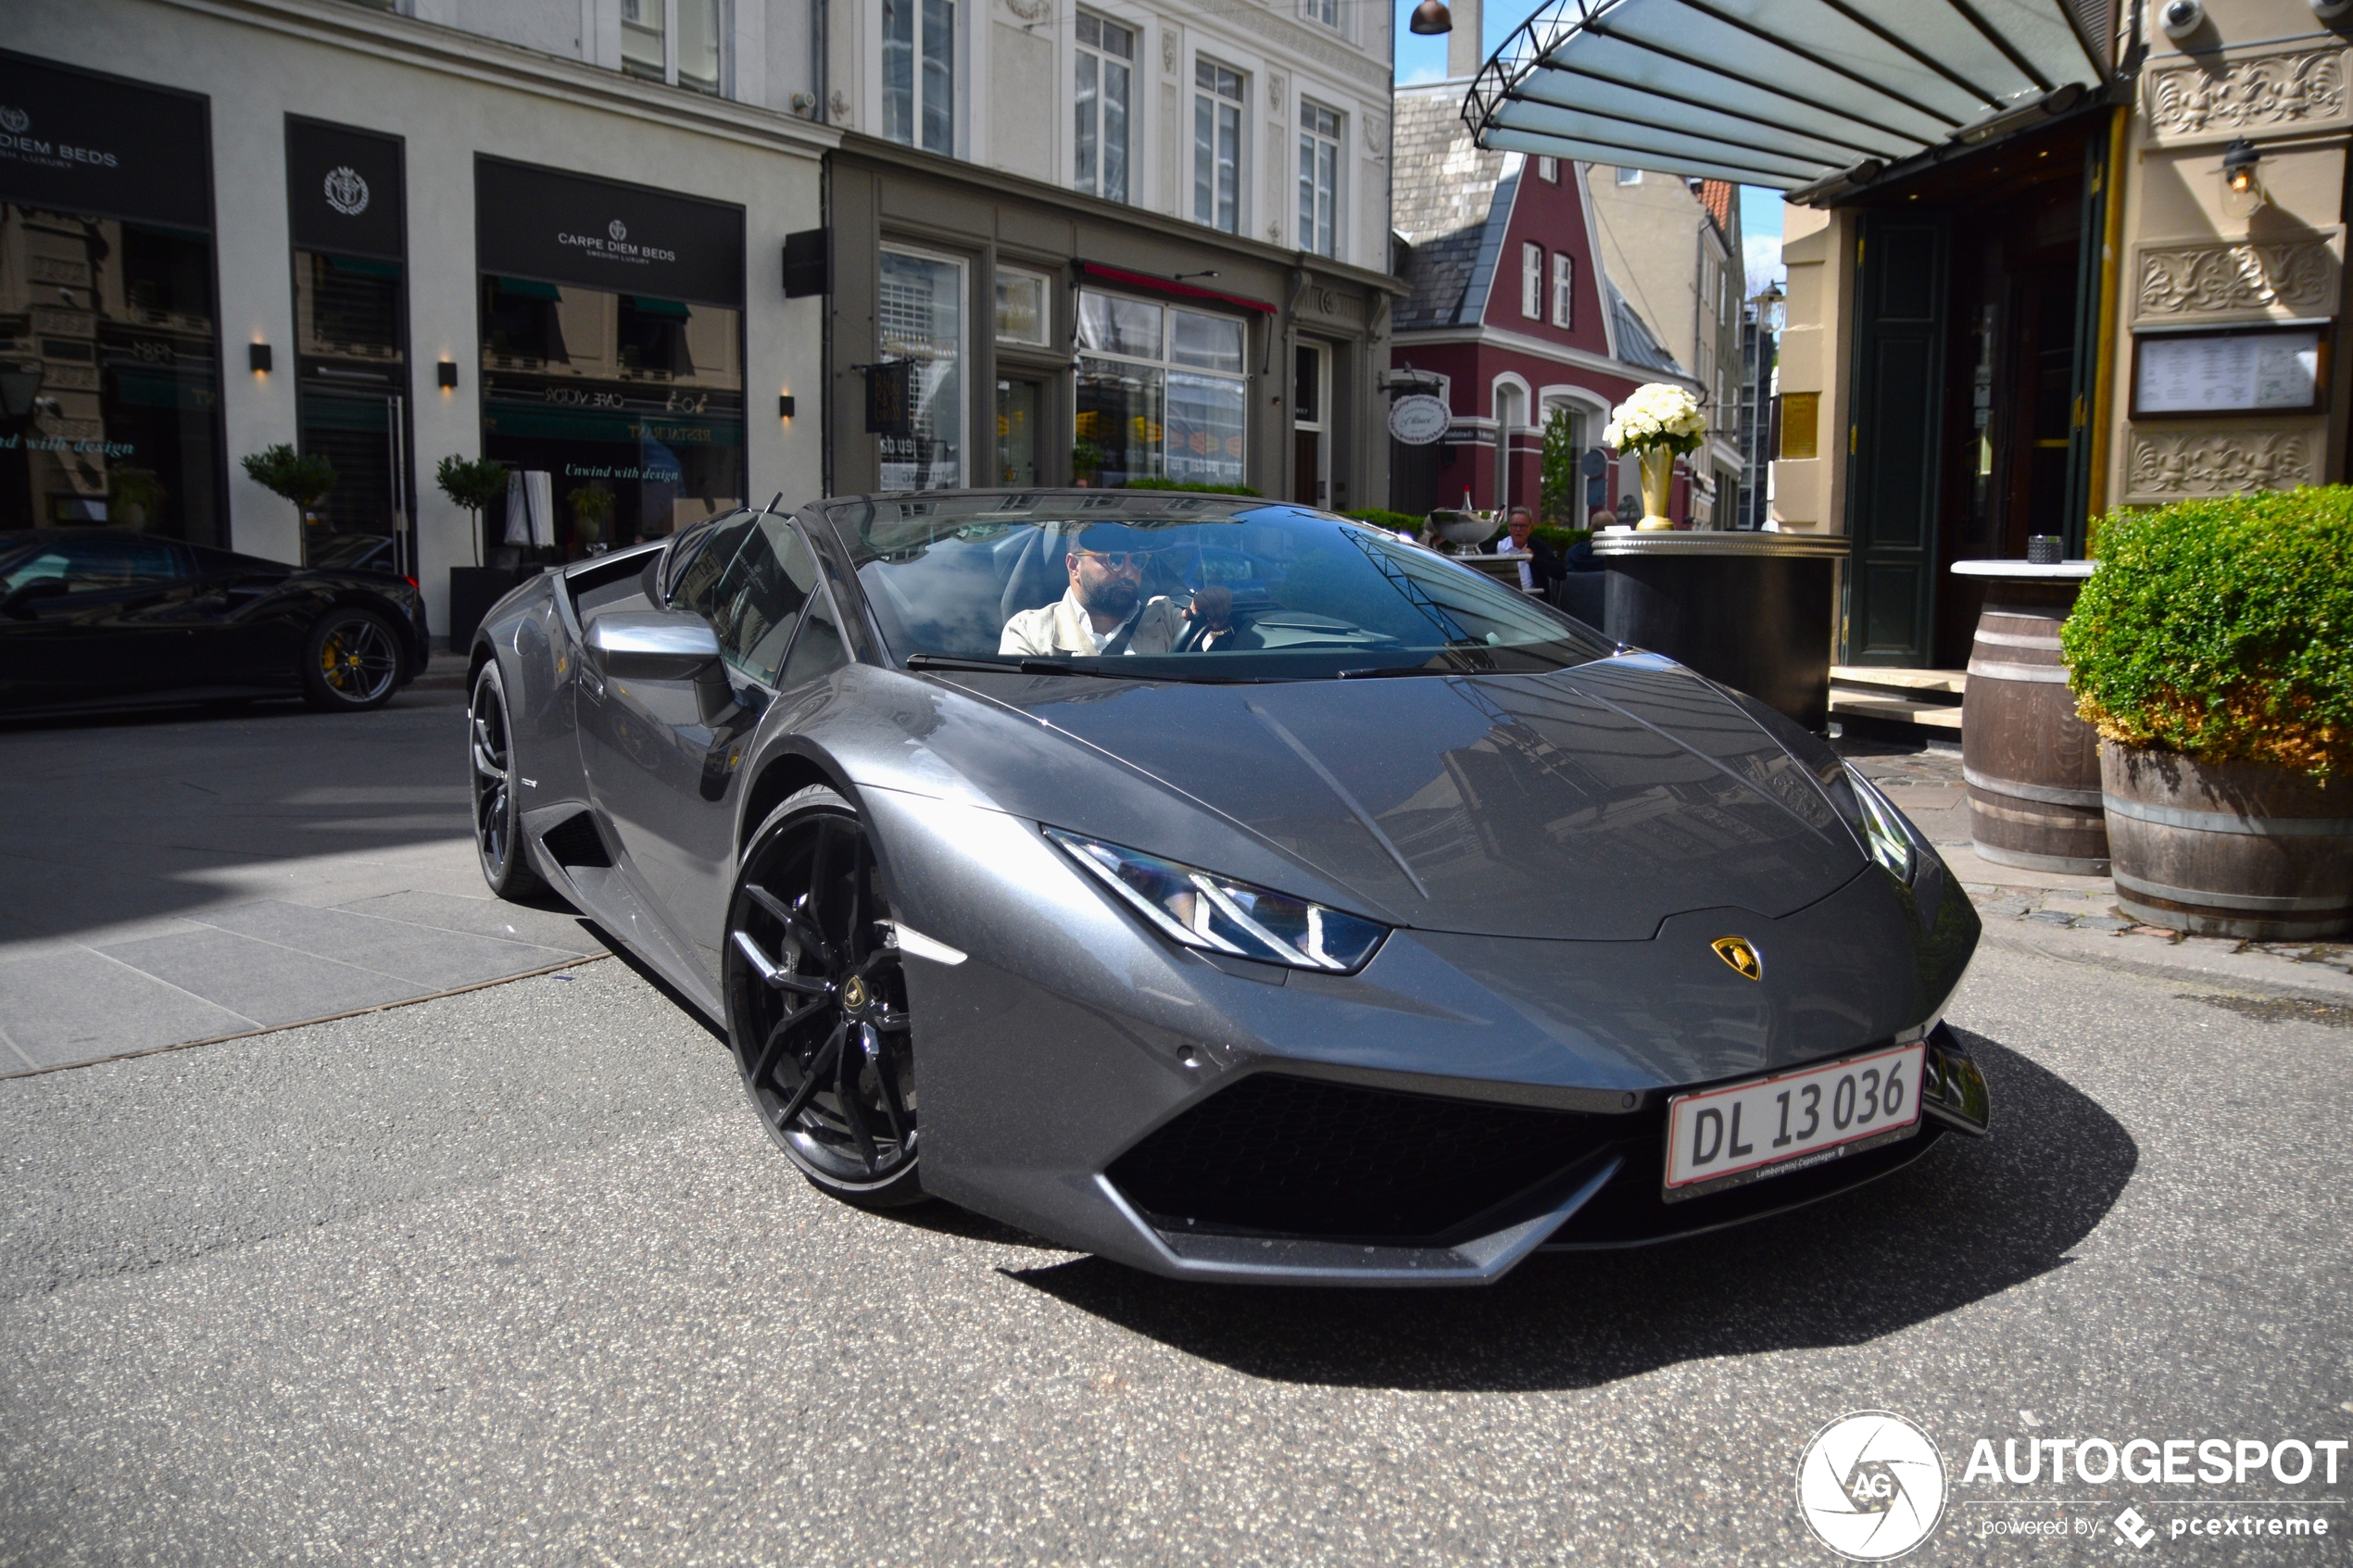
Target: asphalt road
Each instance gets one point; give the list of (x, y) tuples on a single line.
[(513, 1276)]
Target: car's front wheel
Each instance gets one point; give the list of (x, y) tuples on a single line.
[(351, 662), (498, 844), (817, 1003)]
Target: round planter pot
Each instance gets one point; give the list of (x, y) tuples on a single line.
[(2241, 849)]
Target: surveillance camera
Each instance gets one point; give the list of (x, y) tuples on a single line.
[(2181, 17)]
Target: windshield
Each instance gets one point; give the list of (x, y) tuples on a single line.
[(1196, 588)]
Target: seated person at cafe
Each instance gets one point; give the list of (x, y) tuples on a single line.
[(1104, 613), (1542, 568)]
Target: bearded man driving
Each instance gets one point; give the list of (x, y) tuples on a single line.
[(1104, 613)]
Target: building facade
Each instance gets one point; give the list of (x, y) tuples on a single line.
[(547, 235), (1110, 244), (1511, 317)]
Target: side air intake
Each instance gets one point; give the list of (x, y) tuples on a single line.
[(575, 842)]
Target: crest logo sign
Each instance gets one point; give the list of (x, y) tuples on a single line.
[(345, 190), (13, 119), (618, 230)]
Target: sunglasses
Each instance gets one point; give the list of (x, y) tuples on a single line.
[(1113, 558)]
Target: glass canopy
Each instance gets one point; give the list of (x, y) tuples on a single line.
[(1785, 94)]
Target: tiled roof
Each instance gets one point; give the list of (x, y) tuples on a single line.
[(1717, 196), (1442, 205), (1636, 345)]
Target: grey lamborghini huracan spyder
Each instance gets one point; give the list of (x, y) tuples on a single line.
[(1221, 887)]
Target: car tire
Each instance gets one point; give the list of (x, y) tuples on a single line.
[(817, 1003), (351, 662), (499, 845)]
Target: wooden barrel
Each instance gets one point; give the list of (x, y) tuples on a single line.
[(2242, 850), (2031, 766)]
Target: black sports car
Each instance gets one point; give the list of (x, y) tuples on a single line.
[(1221, 887), (99, 617)]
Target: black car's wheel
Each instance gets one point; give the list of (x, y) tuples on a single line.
[(351, 662), (506, 864), (817, 1005)]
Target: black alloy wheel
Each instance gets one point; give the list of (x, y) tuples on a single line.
[(817, 1003), (506, 864), (350, 661)]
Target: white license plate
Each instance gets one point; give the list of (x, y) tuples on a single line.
[(1791, 1121)]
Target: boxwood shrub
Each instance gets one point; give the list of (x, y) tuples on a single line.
[(2222, 629)]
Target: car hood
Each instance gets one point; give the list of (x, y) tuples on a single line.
[(1590, 803)]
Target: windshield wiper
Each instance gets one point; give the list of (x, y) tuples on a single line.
[(1030, 666), (1386, 671)]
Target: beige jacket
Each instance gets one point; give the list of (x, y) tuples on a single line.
[(1063, 628)]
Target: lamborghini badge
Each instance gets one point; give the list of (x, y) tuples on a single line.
[(1735, 950)]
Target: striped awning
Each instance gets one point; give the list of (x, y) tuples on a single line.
[(1804, 97)]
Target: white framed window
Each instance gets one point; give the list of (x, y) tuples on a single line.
[(921, 318), (1564, 289), (1549, 170), (919, 73), (1217, 146), (1162, 391), (1024, 315), (1106, 67), (1629, 176), (1531, 280), (1325, 11), (1318, 179), (648, 29)]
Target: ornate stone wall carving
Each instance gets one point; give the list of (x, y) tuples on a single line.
[(2273, 92), (2167, 464), (2295, 278), (1030, 10)]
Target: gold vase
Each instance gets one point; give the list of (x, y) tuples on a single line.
[(1658, 484)]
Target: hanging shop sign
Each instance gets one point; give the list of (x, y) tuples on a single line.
[(1418, 419), (75, 140), (559, 228), (344, 189)]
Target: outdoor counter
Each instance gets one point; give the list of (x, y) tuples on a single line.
[(1752, 610)]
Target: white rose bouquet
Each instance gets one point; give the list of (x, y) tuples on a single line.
[(1659, 417)]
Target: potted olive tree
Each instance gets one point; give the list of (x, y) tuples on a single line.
[(474, 484), (303, 479), (2214, 649)]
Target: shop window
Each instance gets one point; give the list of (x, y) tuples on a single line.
[(922, 320), (919, 73), (1531, 280), (110, 361), (1563, 289), (1023, 316), (1318, 179), (1217, 146), (1105, 55), (1160, 392)]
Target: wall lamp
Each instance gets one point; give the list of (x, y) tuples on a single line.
[(258, 356), (783, 405), (2243, 189), (446, 375)]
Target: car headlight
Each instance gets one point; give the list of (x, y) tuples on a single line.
[(1219, 915), (1886, 836)]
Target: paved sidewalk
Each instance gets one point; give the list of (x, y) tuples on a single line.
[(2076, 917), (185, 876)]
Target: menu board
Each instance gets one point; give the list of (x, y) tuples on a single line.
[(2228, 372)]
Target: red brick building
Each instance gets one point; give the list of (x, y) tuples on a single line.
[(1510, 316)]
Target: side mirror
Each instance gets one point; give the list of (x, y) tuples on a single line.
[(649, 646), (24, 593)]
